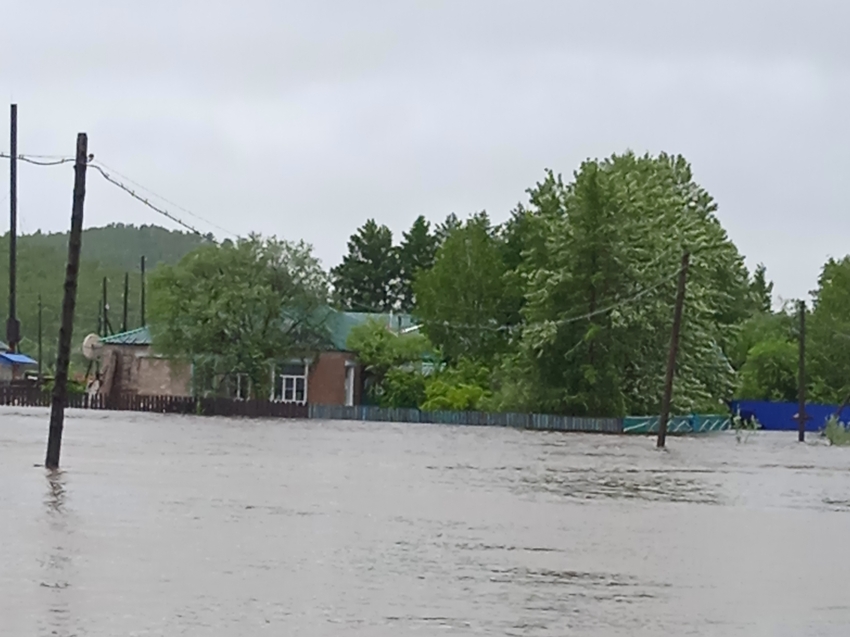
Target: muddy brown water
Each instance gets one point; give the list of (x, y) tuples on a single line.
[(167, 525)]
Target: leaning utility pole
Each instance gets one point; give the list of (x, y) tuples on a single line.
[(801, 380), (674, 350), (66, 331), (13, 327)]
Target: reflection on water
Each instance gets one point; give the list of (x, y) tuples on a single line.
[(56, 568), (163, 525)]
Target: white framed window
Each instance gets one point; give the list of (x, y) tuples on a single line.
[(243, 387), (289, 383), (235, 386)]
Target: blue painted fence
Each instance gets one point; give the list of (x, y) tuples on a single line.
[(780, 416)]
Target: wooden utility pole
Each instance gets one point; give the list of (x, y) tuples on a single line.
[(143, 293), (801, 380), (674, 350), (13, 326), (126, 301), (66, 331), (40, 368)]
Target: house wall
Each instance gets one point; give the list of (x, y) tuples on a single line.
[(133, 369), (326, 380), (10, 372)]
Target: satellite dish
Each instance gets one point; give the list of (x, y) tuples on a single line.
[(91, 346)]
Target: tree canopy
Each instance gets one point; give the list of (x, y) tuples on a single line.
[(367, 279), (235, 307), (603, 257)]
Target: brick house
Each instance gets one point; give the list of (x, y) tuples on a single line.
[(129, 365)]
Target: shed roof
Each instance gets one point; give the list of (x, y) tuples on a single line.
[(17, 359), (140, 336)]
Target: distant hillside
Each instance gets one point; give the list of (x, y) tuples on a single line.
[(123, 246), (107, 252)]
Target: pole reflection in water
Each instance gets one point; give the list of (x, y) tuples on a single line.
[(57, 565)]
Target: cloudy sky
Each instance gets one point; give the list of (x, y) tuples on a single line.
[(302, 119)]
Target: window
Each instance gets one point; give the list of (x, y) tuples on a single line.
[(235, 386), (290, 383)]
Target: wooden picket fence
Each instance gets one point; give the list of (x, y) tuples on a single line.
[(35, 397)]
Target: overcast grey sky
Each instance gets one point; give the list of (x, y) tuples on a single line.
[(303, 119)]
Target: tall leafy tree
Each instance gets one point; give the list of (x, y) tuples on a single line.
[(464, 300), (446, 228), (237, 307), (416, 253), (828, 333), (600, 268), (761, 290), (367, 280)]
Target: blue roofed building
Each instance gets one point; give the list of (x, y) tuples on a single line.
[(14, 366)]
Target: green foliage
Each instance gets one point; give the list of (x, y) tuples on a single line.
[(837, 433), (593, 248), (761, 291), (463, 387), (759, 328), (235, 307), (416, 254), (391, 362), (464, 301), (380, 349), (828, 338), (402, 389), (442, 396), (107, 252), (121, 246), (770, 372), (367, 279)]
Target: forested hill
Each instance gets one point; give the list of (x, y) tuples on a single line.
[(107, 252), (121, 246)]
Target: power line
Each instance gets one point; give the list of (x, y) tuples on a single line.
[(37, 162), (57, 160), (168, 201), (137, 197)]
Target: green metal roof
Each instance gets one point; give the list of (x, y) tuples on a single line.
[(340, 324), (140, 336)]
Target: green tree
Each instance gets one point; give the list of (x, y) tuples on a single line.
[(759, 328), (770, 372), (761, 290), (416, 253), (238, 307), (828, 336), (391, 362), (368, 277), (464, 301), (601, 263), (446, 228)]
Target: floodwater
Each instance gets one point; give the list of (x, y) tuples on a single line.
[(168, 525)]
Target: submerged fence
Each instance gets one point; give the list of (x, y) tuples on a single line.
[(544, 422), (34, 397)]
